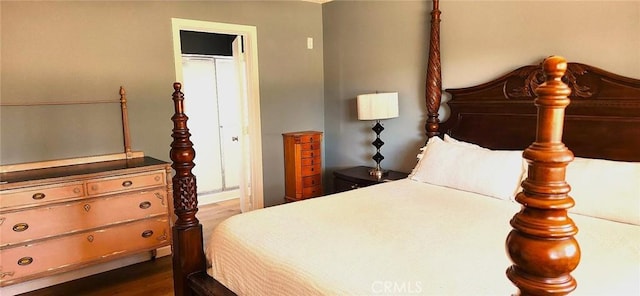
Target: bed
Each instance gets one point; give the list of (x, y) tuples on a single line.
[(497, 203)]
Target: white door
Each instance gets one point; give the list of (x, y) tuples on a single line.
[(214, 113), (249, 176)]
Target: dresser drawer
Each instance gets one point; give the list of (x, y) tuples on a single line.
[(43, 222), (125, 183), (310, 153), (311, 181), (34, 260), (311, 161), (310, 170), (314, 191), (40, 194)]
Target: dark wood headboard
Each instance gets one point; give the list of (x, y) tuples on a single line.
[(602, 121)]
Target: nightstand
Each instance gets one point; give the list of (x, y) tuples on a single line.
[(357, 177)]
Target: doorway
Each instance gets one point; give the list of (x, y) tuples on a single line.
[(225, 132)]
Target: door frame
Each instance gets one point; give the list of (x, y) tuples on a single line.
[(253, 129)]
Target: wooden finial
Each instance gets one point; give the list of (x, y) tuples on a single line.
[(125, 123), (541, 245), (182, 154)]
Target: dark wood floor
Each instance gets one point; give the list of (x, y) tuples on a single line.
[(150, 278)]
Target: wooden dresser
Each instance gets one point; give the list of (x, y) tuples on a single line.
[(57, 219), (302, 165)]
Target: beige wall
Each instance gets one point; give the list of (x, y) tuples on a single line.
[(382, 45), (53, 50)]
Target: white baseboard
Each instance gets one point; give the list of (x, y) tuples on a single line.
[(55, 279)]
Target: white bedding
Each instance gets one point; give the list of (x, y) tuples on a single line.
[(402, 238)]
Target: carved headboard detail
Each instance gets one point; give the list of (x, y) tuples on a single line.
[(599, 121), (585, 82)]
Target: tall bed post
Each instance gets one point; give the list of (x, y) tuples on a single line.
[(434, 76), (188, 253), (541, 245)]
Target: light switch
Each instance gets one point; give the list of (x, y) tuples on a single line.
[(309, 43)]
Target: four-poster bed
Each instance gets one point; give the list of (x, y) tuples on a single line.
[(404, 221)]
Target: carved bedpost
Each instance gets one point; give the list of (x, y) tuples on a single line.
[(188, 253), (541, 245), (434, 79)]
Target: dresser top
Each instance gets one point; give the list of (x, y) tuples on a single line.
[(78, 169)]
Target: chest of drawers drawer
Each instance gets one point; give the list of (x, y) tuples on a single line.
[(31, 260), (42, 222), (125, 183), (41, 194)]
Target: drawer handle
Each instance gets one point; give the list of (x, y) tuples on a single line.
[(311, 154), (145, 205), (87, 207), (90, 238), (127, 183), (25, 261), (311, 147), (20, 227), (312, 169), (76, 190), (38, 196), (157, 178), (147, 233), (354, 186)]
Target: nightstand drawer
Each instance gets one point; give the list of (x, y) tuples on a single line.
[(343, 185), (356, 177)]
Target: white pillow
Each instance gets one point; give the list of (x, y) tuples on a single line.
[(605, 189), (489, 172), (449, 139)]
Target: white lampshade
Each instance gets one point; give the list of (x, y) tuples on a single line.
[(377, 106)]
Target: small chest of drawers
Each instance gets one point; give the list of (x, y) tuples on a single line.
[(62, 218), (302, 165)]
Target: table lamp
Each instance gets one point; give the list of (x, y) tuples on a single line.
[(376, 107)]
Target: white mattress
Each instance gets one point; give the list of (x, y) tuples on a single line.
[(401, 238)]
